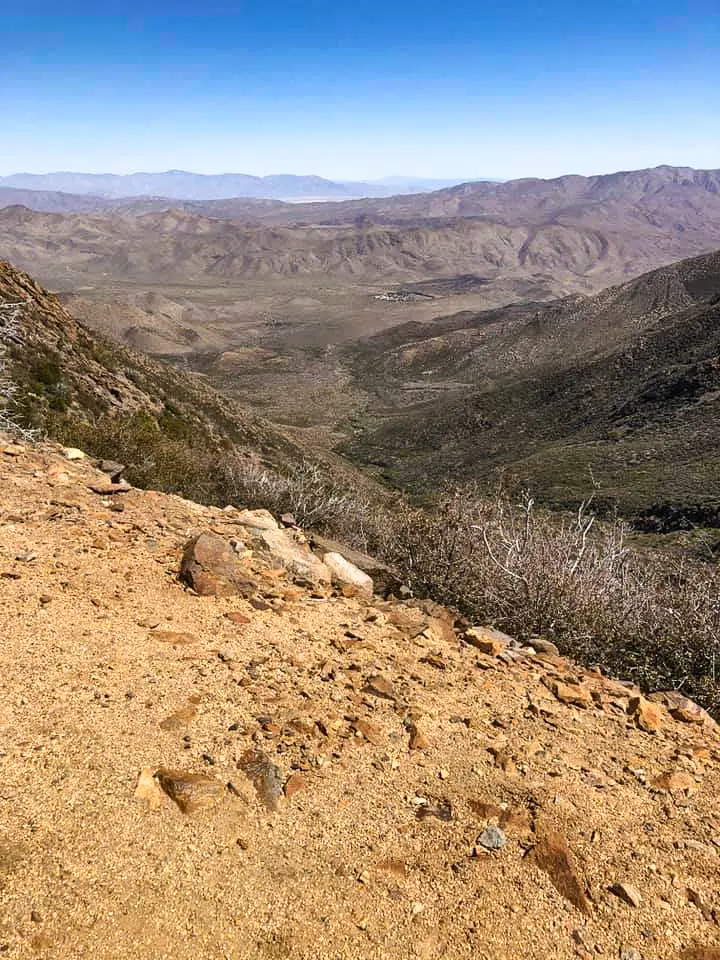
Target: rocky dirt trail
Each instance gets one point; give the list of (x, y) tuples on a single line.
[(287, 768)]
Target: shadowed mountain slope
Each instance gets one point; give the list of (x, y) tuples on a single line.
[(619, 390)]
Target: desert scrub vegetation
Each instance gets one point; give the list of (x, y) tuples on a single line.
[(572, 579)]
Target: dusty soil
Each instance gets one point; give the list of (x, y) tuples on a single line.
[(110, 665)]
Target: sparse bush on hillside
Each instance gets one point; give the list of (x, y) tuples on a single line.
[(650, 618)]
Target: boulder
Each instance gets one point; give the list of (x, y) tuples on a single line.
[(346, 574), (293, 556), (384, 580), (257, 520), (212, 568)]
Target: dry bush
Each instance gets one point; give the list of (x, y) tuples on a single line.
[(10, 333), (650, 618)]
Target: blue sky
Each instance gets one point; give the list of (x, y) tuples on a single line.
[(362, 90)]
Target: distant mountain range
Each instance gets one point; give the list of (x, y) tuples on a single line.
[(182, 185)]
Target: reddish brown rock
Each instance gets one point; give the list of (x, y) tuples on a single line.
[(552, 855), (418, 740), (234, 616), (487, 640), (572, 694), (190, 791), (294, 784), (380, 686), (647, 715), (212, 568), (682, 708)]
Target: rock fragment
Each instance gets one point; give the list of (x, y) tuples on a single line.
[(488, 640), (571, 694), (265, 776), (647, 715), (380, 686), (190, 791), (625, 891), (552, 855), (492, 838), (346, 574), (148, 789)]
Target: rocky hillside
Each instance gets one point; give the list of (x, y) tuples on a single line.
[(214, 743), (170, 428)]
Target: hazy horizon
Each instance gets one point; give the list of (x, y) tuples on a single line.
[(351, 93)]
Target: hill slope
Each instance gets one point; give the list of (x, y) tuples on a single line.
[(619, 389), (174, 429), (430, 800)]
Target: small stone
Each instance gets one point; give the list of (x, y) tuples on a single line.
[(625, 891), (572, 694), (147, 789), (108, 489), (368, 730), (492, 838), (73, 453), (294, 784), (234, 616), (487, 640), (13, 450), (26, 556), (418, 740), (380, 686), (540, 645), (257, 603), (190, 791), (647, 715), (363, 877), (265, 776), (45, 598), (630, 953), (113, 468), (288, 520)]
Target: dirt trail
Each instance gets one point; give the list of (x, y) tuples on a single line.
[(109, 665)]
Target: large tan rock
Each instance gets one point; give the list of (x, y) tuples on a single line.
[(293, 556), (257, 520), (346, 574), (212, 568)]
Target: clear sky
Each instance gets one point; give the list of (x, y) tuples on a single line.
[(361, 89)]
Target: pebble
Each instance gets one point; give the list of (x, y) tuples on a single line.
[(625, 891), (492, 838)]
